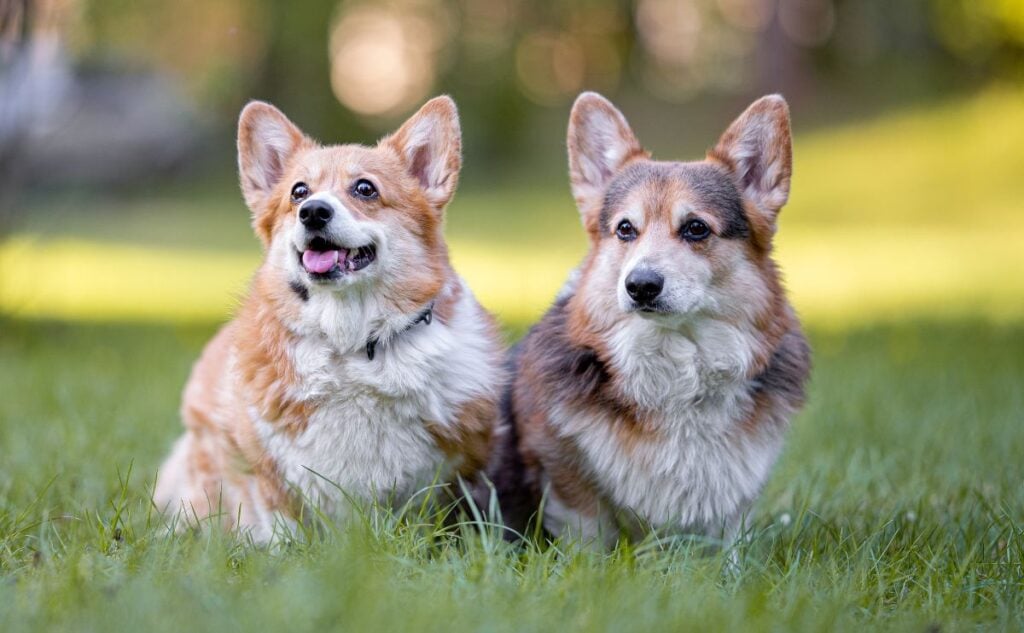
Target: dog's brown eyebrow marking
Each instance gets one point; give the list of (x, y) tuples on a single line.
[(623, 183), (718, 193), (299, 289)]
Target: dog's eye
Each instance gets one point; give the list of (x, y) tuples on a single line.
[(625, 231), (300, 191), (695, 230), (364, 189)]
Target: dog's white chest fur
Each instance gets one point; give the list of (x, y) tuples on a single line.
[(700, 470), (364, 438), (367, 436)]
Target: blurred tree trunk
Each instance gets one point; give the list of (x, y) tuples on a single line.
[(35, 78), (780, 64), (15, 16)]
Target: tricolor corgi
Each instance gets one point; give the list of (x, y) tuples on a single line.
[(655, 393), (360, 366)]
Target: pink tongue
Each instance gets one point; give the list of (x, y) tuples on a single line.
[(319, 261)]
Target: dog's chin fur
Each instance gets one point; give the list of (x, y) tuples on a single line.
[(623, 421), (290, 404)]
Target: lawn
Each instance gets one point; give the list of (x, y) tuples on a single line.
[(897, 504)]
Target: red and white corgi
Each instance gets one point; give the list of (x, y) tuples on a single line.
[(655, 393), (360, 366)]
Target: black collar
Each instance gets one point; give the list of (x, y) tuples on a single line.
[(426, 316)]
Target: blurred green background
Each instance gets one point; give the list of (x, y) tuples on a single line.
[(117, 145), (124, 243), (117, 167)]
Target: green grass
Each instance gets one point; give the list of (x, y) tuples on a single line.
[(897, 503)]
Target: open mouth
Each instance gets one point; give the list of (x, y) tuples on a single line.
[(324, 260)]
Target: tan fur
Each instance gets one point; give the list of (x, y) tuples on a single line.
[(248, 374)]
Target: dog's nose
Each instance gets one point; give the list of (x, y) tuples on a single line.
[(315, 214), (644, 285)]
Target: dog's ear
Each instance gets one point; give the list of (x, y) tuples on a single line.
[(758, 150), (267, 140), (600, 142), (430, 146)]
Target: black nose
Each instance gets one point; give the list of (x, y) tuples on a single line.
[(315, 214), (644, 285)]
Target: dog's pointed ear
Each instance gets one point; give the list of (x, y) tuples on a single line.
[(267, 140), (430, 146), (600, 142), (758, 150)]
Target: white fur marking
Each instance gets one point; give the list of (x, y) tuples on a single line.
[(701, 473)]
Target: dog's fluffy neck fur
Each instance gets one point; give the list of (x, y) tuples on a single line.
[(349, 321), (704, 354)]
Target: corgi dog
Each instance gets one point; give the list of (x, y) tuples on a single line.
[(655, 393), (360, 366)]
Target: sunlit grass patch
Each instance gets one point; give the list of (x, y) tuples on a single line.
[(953, 165), (78, 279), (842, 276)]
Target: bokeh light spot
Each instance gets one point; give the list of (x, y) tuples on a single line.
[(383, 60)]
